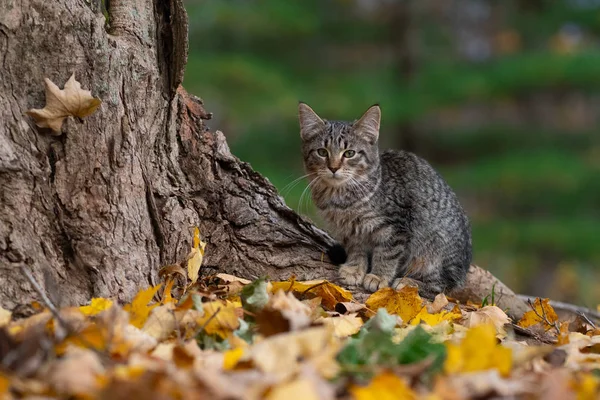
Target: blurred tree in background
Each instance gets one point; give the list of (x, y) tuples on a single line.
[(501, 97)]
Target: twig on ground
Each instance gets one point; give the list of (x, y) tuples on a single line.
[(544, 317)]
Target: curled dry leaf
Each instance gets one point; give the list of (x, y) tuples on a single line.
[(60, 104), (487, 315), (195, 257), (438, 304)]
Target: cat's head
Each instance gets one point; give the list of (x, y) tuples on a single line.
[(337, 151)]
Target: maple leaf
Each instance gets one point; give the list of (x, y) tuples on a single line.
[(195, 257), (139, 308), (434, 319), (406, 302), (60, 104), (330, 293), (97, 305), (542, 309), (478, 351), (385, 386), (220, 318)]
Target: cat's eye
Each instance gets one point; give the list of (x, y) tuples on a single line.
[(349, 153), (322, 152)]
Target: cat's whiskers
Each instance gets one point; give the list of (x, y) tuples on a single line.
[(310, 184), (288, 188)]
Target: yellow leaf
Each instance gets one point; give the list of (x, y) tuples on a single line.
[(167, 297), (139, 309), (587, 387), (330, 293), (96, 306), (220, 318), (406, 303), (478, 351), (435, 319), (542, 308), (195, 257), (70, 101), (232, 357), (161, 322), (386, 386), (344, 325)]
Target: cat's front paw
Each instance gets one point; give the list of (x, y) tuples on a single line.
[(373, 283), (351, 275)]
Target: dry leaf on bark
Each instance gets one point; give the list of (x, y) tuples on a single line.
[(60, 104)]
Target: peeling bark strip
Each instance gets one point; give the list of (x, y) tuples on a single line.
[(102, 207)]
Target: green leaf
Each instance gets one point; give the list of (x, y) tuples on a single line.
[(373, 348), (254, 295)]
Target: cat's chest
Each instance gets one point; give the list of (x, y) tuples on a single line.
[(353, 222)]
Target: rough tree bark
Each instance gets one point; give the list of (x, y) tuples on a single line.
[(101, 207)]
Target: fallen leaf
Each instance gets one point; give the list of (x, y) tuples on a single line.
[(297, 389), (220, 318), (487, 315), (386, 386), (434, 319), (542, 309), (139, 309), (254, 296), (97, 305), (167, 296), (195, 257), (330, 293), (281, 355), (231, 358), (438, 304), (77, 373), (161, 323), (70, 101), (478, 351), (406, 303), (344, 325)]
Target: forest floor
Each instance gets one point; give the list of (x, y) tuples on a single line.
[(223, 337)]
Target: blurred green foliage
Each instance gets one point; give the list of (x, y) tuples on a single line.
[(501, 97)]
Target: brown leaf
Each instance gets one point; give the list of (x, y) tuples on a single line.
[(60, 104)]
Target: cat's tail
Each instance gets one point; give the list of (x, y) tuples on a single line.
[(337, 254)]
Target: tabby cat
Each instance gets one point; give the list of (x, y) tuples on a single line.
[(394, 214)]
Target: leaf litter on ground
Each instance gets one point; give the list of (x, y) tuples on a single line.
[(223, 337)]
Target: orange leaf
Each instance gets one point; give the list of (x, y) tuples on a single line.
[(542, 309)]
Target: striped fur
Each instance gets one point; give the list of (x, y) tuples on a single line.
[(394, 214)]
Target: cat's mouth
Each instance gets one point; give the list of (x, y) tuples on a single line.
[(336, 179)]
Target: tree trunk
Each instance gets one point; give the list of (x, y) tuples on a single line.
[(96, 211), (103, 206)]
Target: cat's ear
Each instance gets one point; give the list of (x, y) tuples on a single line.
[(368, 125), (310, 123)]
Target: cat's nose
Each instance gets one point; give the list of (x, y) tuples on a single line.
[(333, 169)]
